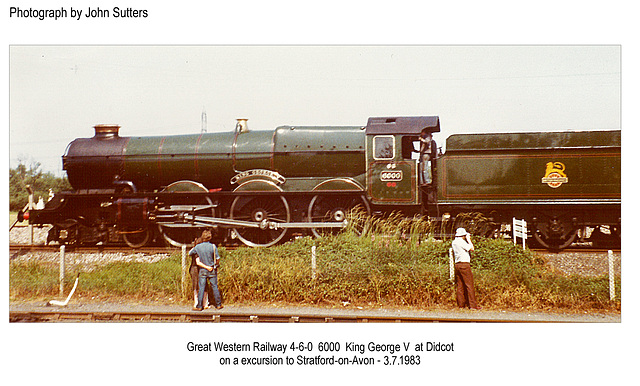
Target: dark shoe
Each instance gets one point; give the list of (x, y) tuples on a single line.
[(219, 307), (197, 308)]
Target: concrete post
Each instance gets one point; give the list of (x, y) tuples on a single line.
[(185, 272), (313, 262), (452, 266), (62, 269), (612, 277)]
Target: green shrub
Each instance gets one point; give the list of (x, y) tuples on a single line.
[(373, 269)]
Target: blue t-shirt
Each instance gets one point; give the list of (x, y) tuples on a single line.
[(206, 252)]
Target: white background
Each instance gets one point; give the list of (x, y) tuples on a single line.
[(500, 354)]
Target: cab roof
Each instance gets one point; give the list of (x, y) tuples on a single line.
[(402, 125)]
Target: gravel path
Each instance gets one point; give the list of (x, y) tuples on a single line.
[(583, 263), (20, 235), (85, 305), (83, 261)]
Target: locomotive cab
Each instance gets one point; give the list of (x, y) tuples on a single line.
[(400, 159)]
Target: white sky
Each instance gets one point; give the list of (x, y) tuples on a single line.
[(57, 93)]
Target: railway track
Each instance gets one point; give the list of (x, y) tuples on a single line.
[(24, 248), (169, 249), (55, 248), (55, 315), (577, 250)]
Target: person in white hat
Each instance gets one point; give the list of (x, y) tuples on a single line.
[(465, 292)]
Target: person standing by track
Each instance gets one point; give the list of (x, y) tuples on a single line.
[(193, 272), (208, 261), (465, 292)]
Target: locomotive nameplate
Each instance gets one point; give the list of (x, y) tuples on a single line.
[(391, 175), (274, 176)]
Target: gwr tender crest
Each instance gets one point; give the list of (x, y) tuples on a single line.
[(554, 175)]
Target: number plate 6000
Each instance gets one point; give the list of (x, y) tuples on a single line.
[(391, 175)]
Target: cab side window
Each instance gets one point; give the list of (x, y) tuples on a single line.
[(410, 147), (383, 147)]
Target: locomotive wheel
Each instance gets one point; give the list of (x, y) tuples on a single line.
[(137, 238), (555, 233), (337, 209), (606, 236), (186, 234), (260, 209), (68, 232)]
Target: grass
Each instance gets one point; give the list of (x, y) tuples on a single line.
[(394, 270)]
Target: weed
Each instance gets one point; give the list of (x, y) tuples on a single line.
[(389, 262)]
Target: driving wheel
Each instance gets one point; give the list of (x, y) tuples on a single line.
[(337, 209), (261, 210)]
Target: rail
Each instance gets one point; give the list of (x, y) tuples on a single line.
[(25, 248), (56, 315)]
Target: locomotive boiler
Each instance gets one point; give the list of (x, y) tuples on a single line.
[(260, 187)]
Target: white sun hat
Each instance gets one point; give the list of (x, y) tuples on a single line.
[(461, 232)]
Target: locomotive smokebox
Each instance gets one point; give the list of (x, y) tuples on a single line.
[(103, 152), (106, 131)]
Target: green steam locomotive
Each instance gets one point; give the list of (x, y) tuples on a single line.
[(260, 187)]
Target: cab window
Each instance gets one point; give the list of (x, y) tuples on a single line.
[(383, 147), (410, 147)]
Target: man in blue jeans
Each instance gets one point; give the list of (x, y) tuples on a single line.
[(208, 261)]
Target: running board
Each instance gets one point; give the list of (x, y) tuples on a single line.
[(264, 224)]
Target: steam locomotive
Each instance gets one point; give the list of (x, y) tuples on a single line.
[(259, 187)]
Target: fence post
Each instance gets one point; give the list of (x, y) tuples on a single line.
[(612, 278), (313, 262), (184, 271), (62, 269), (451, 266), (30, 191)]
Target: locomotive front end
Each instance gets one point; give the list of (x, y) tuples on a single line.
[(84, 157)]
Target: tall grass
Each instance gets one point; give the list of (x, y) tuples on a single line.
[(390, 262), (119, 279)]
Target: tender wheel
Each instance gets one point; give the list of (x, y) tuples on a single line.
[(555, 233), (260, 209), (606, 236), (337, 209), (180, 231)]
